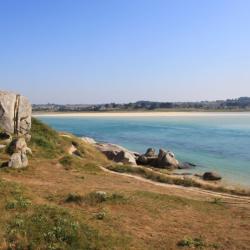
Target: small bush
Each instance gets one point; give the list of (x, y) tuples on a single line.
[(74, 198), (190, 242)]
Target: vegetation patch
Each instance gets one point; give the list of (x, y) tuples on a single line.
[(98, 197), (197, 242), (50, 227), (74, 198), (45, 141)]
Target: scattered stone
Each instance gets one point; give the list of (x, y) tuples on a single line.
[(211, 176)]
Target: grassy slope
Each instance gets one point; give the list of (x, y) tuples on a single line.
[(52, 205)]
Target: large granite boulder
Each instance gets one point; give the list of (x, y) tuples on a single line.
[(15, 113), (164, 159), (117, 153), (167, 159)]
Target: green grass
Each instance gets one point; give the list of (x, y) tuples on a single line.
[(45, 142), (50, 227), (28, 225)]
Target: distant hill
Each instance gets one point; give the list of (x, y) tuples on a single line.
[(239, 104)]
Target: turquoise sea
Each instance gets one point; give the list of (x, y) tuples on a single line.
[(216, 142)]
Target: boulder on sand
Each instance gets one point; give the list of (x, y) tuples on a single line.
[(211, 176)]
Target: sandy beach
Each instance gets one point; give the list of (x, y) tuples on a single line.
[(139, 114)]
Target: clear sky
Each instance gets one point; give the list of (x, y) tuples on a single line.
[(95, 51)]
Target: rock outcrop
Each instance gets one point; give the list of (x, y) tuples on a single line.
[(15, 122), (116, 153), (15, 113), (18, 149), (164, 159)]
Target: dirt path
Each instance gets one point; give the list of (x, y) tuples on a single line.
[(232, 199)]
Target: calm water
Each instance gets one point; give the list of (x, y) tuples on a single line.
[(220, 143)]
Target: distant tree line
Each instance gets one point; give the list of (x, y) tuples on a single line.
[(242, 103)]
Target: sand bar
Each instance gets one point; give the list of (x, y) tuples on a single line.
[(139, 114)]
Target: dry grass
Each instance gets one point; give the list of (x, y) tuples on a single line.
[(136, 215), (162, 177)]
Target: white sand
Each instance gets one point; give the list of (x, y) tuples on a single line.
[(140, 114)]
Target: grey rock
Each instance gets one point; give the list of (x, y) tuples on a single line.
[(27, 137), (125, 157), (19, 145), (18, 160), (116, 153), (211, 176), (24, 159), (167, 159), (7, 111), (143, 160), (15, 161), (186, 165), (15, 113), (150, 152)]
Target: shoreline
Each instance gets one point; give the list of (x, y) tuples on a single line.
[(139, 114)]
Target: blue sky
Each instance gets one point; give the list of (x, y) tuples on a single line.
[(95, 51)]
